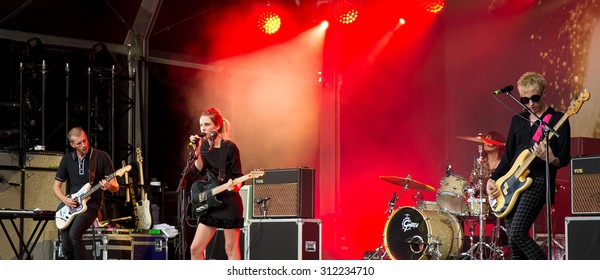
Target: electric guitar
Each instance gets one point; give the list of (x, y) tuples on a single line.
[(65, 214), (203, 193), (513, 183), (143, 207), (130, 203)]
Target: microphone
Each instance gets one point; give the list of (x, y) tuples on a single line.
[(213, 135), (505, 89), (261, 200), (200, 135)]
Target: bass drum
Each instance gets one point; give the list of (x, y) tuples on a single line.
[(413, 234)]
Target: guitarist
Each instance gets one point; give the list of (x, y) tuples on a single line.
[(75, 167), (523, 135), (217, 152)]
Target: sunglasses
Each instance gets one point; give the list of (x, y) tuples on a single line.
[(534, 98)]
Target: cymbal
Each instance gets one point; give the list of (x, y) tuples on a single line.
[(480, 139), (412, 184)]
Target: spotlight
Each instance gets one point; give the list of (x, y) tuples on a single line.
[(432, 6), (35, 50), (269, 22), (345, 11), (100, 56)]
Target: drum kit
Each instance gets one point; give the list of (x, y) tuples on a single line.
[(434, 229)]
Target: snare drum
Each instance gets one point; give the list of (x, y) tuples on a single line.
[(413, 234), (450, 195), (474, 209), (428, 205)]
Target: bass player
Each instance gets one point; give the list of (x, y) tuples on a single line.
[(524, 135)]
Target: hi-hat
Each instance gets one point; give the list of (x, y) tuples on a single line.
[(480, 139), (411, 184)]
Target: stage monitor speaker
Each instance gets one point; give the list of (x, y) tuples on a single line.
[(585, 185), (582, 238), (287, 193)]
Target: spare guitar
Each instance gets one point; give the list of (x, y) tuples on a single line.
[(516, 181), (65, 214), (203, 193), (143, 207), (130, 203)]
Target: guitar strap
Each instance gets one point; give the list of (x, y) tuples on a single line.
[(538, 133), (222, 160), (92, 166), (93, 157)]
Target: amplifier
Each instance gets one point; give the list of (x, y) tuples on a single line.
[(287, 193), (585, 185), (43, 159), (582, 238), (9, 159)]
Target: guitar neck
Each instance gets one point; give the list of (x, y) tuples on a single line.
[(97, 186), (226, 186), (532, 156)]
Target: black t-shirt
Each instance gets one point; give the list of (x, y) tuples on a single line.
[(77, 172)]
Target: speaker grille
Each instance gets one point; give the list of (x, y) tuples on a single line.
[(283, 200), (586, 193)]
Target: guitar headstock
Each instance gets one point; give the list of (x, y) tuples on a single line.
[(138, 152), (256, 173), (123, 170), (577, 102)]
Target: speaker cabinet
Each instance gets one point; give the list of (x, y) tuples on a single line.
[(10, 198), (585, 185), (284, 239), (582, 238), (36, 193), (287, 193)]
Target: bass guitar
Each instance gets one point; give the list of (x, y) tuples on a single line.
[(65, 214), (513, 183), (143, 206), (203, 193)]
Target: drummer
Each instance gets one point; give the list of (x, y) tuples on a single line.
[(491, 156)]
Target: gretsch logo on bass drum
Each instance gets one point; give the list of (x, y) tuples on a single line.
[(407, 224)]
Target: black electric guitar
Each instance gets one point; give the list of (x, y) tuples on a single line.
[(513, 183), (203, 193), (65, 214)]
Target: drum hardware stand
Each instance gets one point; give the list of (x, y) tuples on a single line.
[(559, 248), (380, 253), (481, 216), (495, 238)]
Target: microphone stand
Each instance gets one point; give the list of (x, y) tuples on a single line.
[(183, 203), (546, 131)]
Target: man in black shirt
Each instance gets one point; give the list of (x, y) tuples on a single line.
[(524, 135), (75, 167)]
